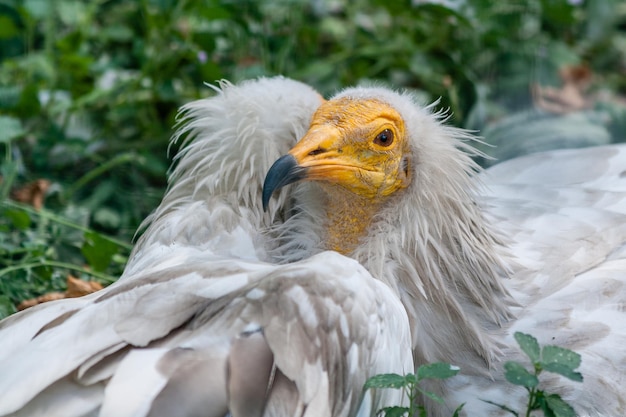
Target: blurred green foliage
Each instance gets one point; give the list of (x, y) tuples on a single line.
[(89, 92)]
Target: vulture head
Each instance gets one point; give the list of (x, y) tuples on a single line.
[(395, 189), (360, 161)]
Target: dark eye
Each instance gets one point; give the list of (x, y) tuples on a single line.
[(384, 138)]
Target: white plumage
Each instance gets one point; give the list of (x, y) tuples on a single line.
[(226, 308)]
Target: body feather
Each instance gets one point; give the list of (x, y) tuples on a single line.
[(226, 308)]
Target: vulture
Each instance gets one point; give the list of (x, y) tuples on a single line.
[(304, 246)]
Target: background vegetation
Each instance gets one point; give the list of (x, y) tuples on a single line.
[(89, 92)]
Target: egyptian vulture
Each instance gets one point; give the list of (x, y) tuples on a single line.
[(381, 247)]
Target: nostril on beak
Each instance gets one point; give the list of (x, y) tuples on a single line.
[(317, 151)]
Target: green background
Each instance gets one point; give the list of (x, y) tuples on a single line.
[(89, 92)]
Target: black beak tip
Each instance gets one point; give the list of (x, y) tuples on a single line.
[(266, 197), (284, 171)]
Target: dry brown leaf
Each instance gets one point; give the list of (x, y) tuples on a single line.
[(75, 288), (51, 296), (33, 193), (568, 98)]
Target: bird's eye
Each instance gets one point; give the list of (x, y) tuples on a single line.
[(384, 138)]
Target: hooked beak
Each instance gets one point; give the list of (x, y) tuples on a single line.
[(321, 155), (284, 171), (314, 157)]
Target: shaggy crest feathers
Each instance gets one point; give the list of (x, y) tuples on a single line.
[(228, 143)]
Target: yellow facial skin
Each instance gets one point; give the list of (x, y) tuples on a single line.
[(358, 151), (364, 150)]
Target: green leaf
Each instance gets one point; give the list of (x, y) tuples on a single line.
[(19, 218), (561, 355), (431, 395), (385, 381), (6, 306), (214, 12), (529, 345), (10, 129), (395, 411), (561, 361), (117, 32), (73, 12), (558, 406), (8, 172), (105, 217), (439, 370), (542, 405), (601, 16), (410, 379), (39, 8), (458, 410), (9, 96), (98, 251), (518, 375), (7, 28), (563, 370)]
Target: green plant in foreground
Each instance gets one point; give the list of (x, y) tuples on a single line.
[(410, 385), (547, 358)]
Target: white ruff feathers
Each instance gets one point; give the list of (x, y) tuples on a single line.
[(223, 307)]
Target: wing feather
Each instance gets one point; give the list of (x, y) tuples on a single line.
[(564, 214), (61, 400), (184, 359)]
